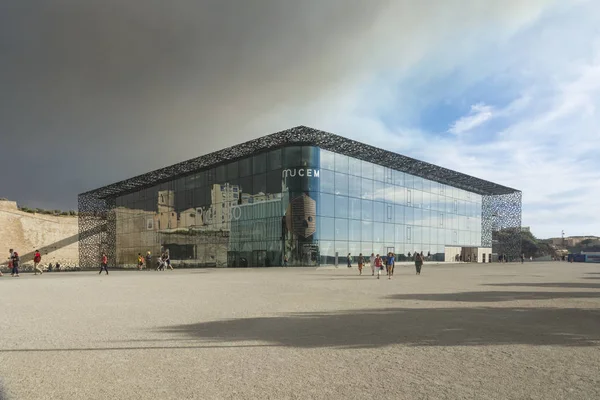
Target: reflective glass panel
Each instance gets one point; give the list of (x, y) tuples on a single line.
[(367, 210), (354, 229), (378, 173), (292, 157), (341, 229), (274, 159), (341, 184), (367, 231), (341, 163), (259, 163), (378, 191), (327, 204), (354, 208), (354, 167), (327, 160), (366, 169), (354, 186), (327, 181), (378, 211), (366, 188), (327, 231), (341, 207)]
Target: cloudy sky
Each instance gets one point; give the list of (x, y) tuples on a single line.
[(507, 90)]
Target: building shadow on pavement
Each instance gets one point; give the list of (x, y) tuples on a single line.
[(490, 296), (577, 285), (375, 328)]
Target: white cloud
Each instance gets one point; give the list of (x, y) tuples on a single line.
[(550, 138), (479, 115)]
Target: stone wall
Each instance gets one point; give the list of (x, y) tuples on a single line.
[(55, 236)]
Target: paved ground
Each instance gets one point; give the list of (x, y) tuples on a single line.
[(456, 332)]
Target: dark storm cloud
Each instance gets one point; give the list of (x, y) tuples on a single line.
[(92, 92), (96, 91)]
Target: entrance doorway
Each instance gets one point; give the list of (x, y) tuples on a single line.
[(310, 254), (468, 254), (259, 258)]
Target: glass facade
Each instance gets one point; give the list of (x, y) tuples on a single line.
[(300, 203), (367, 208)]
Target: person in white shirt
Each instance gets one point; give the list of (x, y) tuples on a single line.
[(372, 261)]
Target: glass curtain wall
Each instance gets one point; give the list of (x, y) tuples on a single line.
[(366, 208), (298, 204), (237, 214)]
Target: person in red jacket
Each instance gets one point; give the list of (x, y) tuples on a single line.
[(37, 258), (378, 265), (104, 264)]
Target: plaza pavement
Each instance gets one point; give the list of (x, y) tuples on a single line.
[(487, 331)]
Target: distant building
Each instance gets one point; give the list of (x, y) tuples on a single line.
[(572, 241)]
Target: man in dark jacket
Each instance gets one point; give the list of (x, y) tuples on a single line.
[(14, 259)]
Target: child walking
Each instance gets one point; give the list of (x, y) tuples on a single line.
[(378, 265)]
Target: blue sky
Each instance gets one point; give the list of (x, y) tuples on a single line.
[(513, 99)]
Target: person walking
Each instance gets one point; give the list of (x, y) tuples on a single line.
[(104, 264), (161, 263), (349, 260), (386, 263), (10, 263), (523, 258), (418, 263), (37, 258), (14, 263), (391, 261), (378, 265), (372, 262), (168, 260), (148, 261), (361, 261), (140, 261)]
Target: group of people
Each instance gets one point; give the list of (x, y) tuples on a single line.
[(378, 262), (164, 261), (14, 260)]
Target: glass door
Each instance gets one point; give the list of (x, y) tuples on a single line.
[(259, 258)]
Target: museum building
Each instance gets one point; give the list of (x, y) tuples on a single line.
[(302, 197)]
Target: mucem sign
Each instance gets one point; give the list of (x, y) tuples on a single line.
[(302, 172)]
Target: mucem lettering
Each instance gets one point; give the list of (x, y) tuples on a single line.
[(301, 172)]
